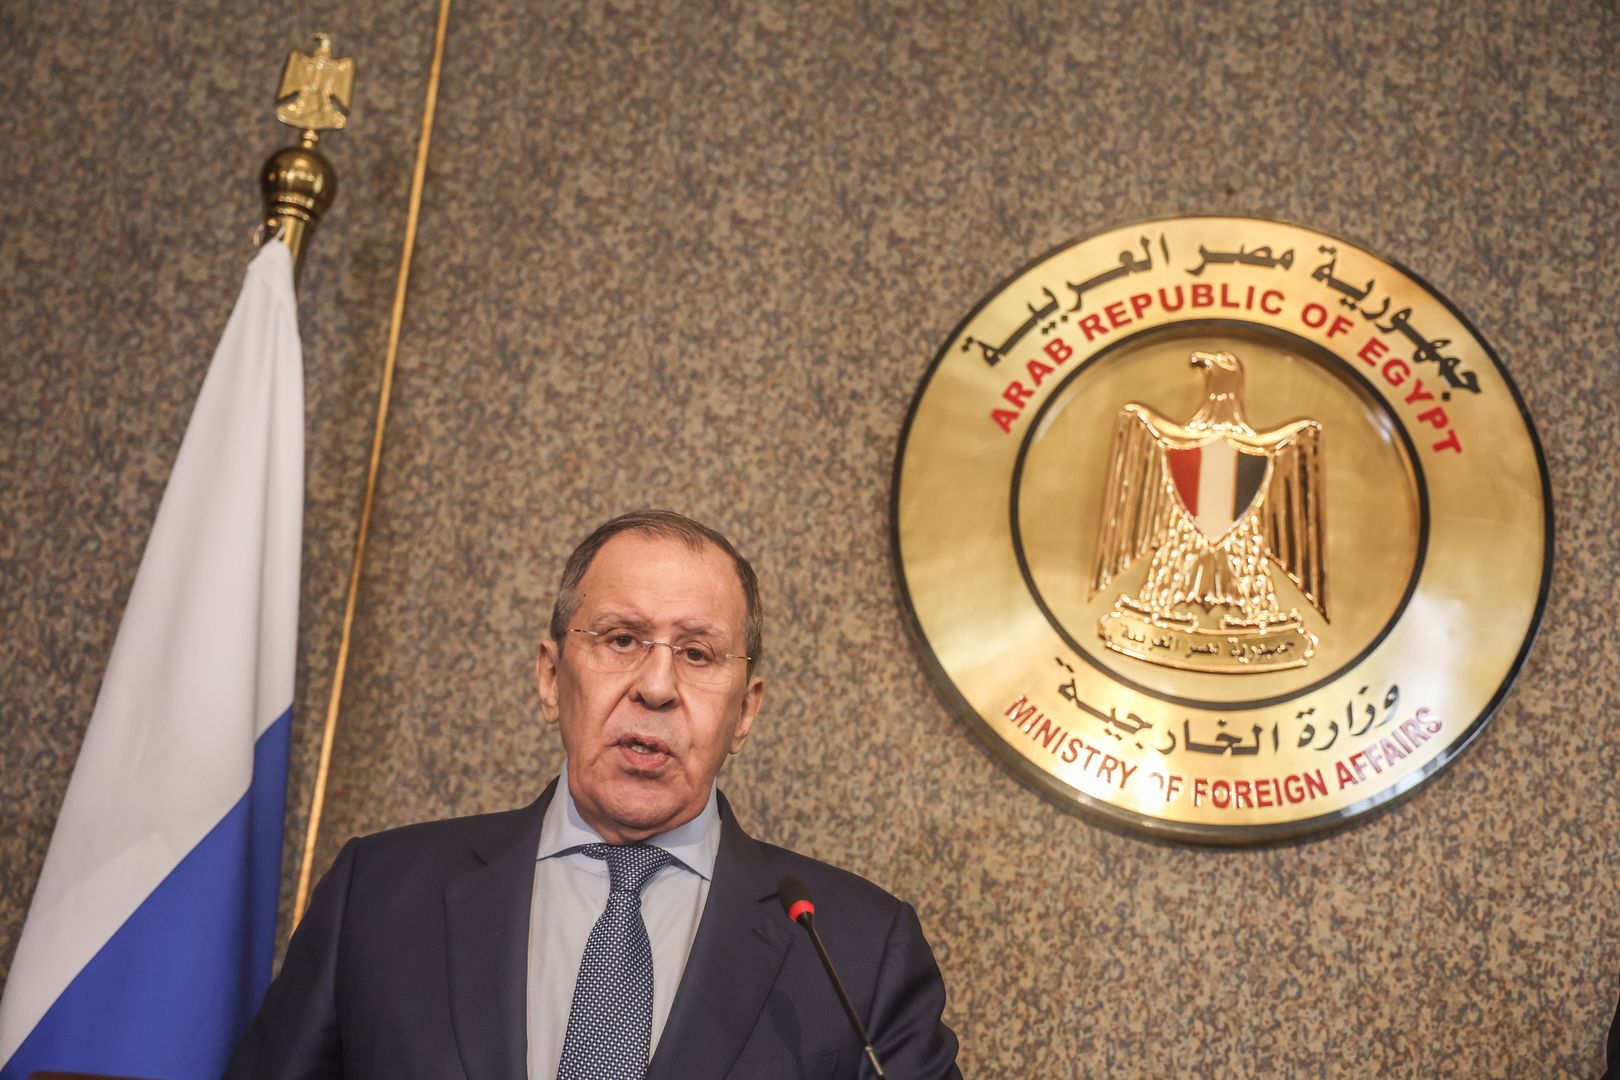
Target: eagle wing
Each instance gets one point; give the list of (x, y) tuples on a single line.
[(294, 75), (1291, 516), (342, 88), (1136, 499)]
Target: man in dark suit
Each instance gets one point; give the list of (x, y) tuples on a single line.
[(625, 913)]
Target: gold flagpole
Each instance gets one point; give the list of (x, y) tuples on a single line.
[(318, 799)]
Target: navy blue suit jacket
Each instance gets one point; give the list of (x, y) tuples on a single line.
[(412, 961)]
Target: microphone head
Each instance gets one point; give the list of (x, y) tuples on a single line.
[(795, 897)]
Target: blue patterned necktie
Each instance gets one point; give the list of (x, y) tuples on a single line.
[(610, 1021)]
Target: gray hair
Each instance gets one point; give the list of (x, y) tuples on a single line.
[(663, 523)]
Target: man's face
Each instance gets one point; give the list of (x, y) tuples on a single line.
[(645, 745)]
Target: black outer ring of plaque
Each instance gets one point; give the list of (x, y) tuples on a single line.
[(1142, 825), (1309, 348)]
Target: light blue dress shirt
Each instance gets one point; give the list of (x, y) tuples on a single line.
[(570, 892)]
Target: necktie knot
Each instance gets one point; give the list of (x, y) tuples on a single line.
[(629, 865)]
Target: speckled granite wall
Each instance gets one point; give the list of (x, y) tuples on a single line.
[(699, 256)]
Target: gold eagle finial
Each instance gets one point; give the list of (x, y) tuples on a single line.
[(315, 88)]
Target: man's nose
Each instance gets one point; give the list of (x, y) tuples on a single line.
[(655, 678)]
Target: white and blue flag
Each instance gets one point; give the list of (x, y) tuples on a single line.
[(149, 941)]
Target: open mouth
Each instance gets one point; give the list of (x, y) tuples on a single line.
[(642, 751)]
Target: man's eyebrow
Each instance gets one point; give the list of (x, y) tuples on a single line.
[(695, 626), (697, 623), (615, 617), (703, 628)]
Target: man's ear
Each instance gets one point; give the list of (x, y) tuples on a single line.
[(752, 698), (546, 660)]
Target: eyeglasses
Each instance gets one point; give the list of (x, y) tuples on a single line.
[(615, 651)]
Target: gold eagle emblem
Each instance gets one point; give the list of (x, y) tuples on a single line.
[(1217, 504), (311, 83)]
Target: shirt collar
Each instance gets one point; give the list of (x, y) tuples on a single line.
[(694, 844)]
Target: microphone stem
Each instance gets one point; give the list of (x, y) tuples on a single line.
[(808, 921)]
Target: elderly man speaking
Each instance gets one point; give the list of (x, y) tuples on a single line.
[(623, 925)]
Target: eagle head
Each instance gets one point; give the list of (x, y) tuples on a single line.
[(1217, 361), (1223, 391)]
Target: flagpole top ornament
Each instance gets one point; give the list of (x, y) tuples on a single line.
[(299, 182)]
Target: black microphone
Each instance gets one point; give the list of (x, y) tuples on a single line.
[(795, 897)]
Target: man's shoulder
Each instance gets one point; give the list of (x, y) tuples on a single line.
[(446, 844), (832, 887)]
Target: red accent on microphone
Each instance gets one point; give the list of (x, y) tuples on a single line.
[(794, 896)]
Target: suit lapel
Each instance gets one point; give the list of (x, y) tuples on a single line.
[(487, 917), (736, 956)]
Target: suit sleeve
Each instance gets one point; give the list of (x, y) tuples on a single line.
[(295, 1034), (907, 1024)]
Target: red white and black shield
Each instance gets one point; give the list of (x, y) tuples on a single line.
[(1217, 482)]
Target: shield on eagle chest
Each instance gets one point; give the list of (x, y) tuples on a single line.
[(1216, 482)]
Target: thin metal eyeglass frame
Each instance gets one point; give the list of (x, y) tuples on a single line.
[(647, 646)]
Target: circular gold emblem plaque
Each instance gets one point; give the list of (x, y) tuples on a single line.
[(1221, 528)]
